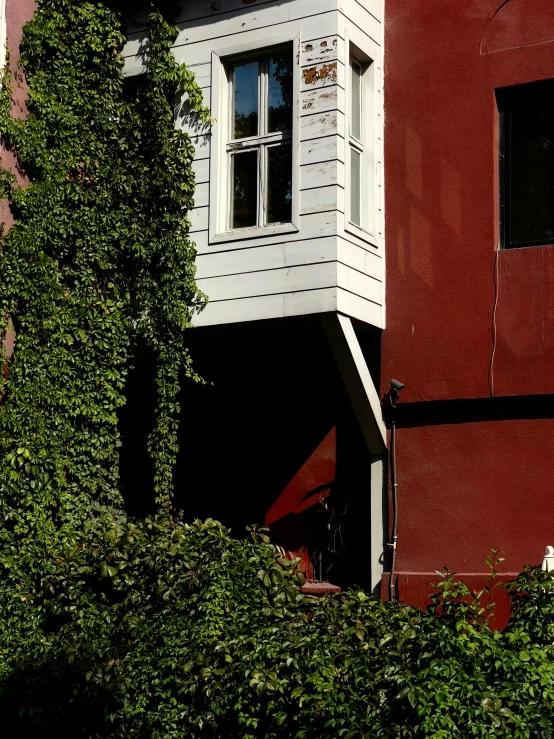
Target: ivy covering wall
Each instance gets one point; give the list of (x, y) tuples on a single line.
[(113, 628), (99, 258)]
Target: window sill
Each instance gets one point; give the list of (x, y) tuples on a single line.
[(361, 233), (241, 234)]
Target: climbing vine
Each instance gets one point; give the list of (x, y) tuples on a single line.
[(99, 259)]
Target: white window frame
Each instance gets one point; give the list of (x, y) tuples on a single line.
[(222, 144), (367, 229)]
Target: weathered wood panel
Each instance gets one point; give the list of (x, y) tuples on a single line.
[(265, 307), (321, 267), (290, 279), (360, 308), (318, 51), (201, 169), (322, 100), (318, 125), (322, 75), (235, 25), (358, 283), (202, 194), (322, 174), (202, 74), (272, 256), (313, 151), (321, 199), (198, 219), (208, 9), (362, 260)]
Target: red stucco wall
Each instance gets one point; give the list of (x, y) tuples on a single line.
[(18, 12), (464, 484), (441, 201)]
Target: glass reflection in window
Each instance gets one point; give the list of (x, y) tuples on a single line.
[(245, 98), (245, 189)]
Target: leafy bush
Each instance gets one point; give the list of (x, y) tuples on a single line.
[(164, 629)]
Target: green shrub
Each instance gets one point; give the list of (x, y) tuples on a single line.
[(164, 629)]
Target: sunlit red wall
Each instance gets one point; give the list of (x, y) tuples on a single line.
[(482, 478), (18, 12)]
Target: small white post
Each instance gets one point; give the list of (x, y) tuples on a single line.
[(548, 561)]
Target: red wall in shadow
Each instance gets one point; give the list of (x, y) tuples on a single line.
[(484, 479), (272, 441)]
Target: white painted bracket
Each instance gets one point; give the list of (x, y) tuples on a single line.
[(548, 561), (357, 380), (367, 408)]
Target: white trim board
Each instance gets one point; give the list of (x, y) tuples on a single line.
[(357, 380)]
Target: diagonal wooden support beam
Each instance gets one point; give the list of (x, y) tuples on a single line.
[(367, 408), (357, 380)]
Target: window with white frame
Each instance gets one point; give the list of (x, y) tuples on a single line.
[(360, 150), (258, 144)]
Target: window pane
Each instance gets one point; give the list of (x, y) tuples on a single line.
[(245, 95), (532, 175), (279, 115), (356, 118), (355, 187), (244, 189), (279, 189)]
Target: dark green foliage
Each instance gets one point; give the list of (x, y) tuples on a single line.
[(99, 258), (117, 629), (163, 629)]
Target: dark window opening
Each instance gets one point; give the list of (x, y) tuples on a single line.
[(527, 164)]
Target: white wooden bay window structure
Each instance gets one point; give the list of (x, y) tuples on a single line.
[(289, 200), (288, 216)]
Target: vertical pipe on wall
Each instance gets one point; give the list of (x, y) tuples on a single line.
[(395, 388), (394, 486)]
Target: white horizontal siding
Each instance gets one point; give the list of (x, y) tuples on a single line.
[(325, 74), (272, 256), (372, 6), (313, 151), (195, 40), (319, 125), (358, 283), (201, 145), (267, 307), (360, 308), (322, 199), (367, 261), (199, 219), (321, 50), (202, 193), (359, 14), (322, 100), (202, 74), (205, 10), (321, 174), (321, 267), (269, 282), (201, 169), (312, 226)]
